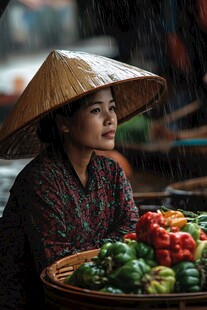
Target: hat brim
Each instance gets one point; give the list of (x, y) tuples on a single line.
[(65, 77)]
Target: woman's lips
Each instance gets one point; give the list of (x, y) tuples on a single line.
[(109, 134)]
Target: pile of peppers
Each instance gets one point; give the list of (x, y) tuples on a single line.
[(167, 253)]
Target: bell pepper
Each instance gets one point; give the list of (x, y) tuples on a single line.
[(145, 223), (187, 277), (175, 247), (111, 289), (170, 247), (201, 250), (128, 277), (182, 247), (130, 236), (160, 280), (174, 229), (144, 251), (164, 257), (193, 229), (201, 220), (88, 275), (159, 237), (102, 253), (115, 255), (201, 265), (203, 235), (174, 218)]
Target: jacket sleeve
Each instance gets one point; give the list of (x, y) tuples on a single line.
[(43, 218)]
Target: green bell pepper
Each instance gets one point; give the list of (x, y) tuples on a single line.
[(160, 280), (88, 275), (187, 277), (193, 229), (201, 220), (102, 253), (201, 250), (116, 255), (201, 265), (128, 277), (111, 289), (143, 250)]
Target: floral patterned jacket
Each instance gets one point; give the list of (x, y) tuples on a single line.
[(50, 215)]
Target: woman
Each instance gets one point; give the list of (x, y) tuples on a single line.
[(67, 199)]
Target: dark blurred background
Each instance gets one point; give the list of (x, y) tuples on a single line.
[(166, 37)]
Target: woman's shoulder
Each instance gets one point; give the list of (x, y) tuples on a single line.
[(106, 165), (114, 159), (42, 165), (103, 159)]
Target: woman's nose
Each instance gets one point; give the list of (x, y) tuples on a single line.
[(109, 119)]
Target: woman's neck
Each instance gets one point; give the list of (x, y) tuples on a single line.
[(80, 160)]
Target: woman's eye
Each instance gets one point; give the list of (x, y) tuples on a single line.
[(97, 110), (113, 108)]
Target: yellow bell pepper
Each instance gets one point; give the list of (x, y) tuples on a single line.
[(175, 218)]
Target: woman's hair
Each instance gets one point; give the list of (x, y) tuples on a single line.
[(47, 130)]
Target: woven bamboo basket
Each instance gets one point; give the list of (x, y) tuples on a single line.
[(60, 296)]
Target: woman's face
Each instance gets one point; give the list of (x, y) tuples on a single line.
[(94, 125)]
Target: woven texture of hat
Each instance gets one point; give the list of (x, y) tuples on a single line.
[(63, 78)]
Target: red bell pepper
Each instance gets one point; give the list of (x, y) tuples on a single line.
[(203, 235), (171, 246), (131, 236), (164, 257), (159, 237), (145, 224), (181, 248), (174, 229)]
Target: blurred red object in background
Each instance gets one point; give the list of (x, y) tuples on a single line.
[(121, 159)]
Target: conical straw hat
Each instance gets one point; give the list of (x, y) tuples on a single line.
[(64, 77)]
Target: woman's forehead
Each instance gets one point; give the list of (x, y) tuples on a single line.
[(97, 97), (100, 94)]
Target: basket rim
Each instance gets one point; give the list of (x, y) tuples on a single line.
[(49, 282), (50, 270), (66, 288)]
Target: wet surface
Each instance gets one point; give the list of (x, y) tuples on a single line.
[(8, 172)]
